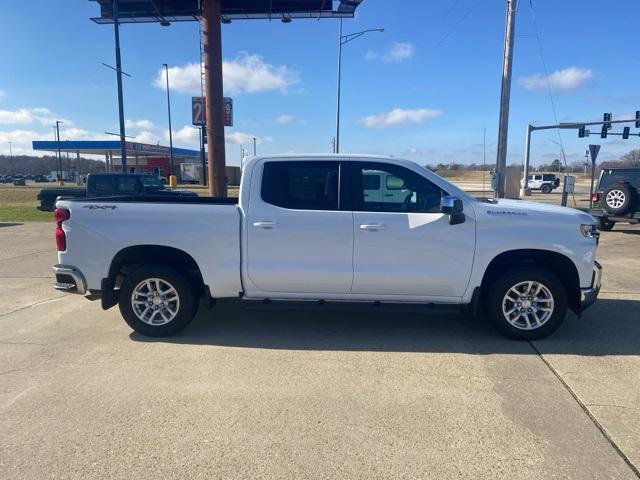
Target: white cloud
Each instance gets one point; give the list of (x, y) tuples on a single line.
[(147, 137), (399, 116), (247, 73), (26, 116), (285, 119), (567, 80), (244, 138), (142, 123), (187, 135), (396, 52), (371, 55)]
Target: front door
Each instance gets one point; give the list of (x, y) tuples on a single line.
[(299, 241), (403, 245)]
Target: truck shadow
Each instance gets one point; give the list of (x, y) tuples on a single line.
[(609, 327)]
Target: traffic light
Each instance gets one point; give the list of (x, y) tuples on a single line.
[(603, 133), (637, 118), (607, 120), (582, 131), (625, 133)]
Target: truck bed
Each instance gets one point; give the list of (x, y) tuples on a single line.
[(205, 228)]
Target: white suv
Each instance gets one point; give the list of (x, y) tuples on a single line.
[(545, 182)]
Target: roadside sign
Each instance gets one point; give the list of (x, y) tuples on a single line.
[(198, 114), (227, 105), (593, 152), (199, 111)]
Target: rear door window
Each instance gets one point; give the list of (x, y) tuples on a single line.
[(304, 185)]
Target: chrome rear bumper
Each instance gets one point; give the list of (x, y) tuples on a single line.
[(69, 279), (589, 295)]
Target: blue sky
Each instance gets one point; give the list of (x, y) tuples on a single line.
[(424, 89)]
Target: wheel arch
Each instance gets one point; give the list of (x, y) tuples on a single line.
[(127, 259), (557, 263)]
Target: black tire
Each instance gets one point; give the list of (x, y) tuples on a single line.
[(605, 225), (619, 199), (546, 188), (186, 308), (497, 290)]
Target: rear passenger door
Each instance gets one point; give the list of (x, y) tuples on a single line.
[(298, 239)]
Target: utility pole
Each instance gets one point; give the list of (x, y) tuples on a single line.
[(212, 45), (116, 29), (505, 97), (254, 146), (336, 143), (171, 169)]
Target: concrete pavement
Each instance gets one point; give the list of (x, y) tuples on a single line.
[(248, 391)]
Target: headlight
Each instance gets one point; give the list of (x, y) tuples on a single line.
[(589, 231)]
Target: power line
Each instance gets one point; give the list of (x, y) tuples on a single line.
[(456, 25)]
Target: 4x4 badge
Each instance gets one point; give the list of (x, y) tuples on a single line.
[(100, 207)]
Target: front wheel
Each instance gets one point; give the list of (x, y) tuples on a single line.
[(156, 301), (526, 303)]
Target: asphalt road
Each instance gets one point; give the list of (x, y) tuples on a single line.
[(272, 392)]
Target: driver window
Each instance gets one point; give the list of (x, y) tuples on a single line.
[(382, 187)]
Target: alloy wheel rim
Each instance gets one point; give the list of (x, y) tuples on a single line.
[(155, 301), (616, 198), (528, 305)]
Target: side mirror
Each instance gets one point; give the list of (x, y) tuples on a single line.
[(453, 207)]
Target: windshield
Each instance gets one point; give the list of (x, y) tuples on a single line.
[(150, 181)]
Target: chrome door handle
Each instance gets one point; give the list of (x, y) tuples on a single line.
[(373, 227), (266, 225)]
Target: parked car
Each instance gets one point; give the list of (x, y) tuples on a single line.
[(110, 184), (545, 182), (616, 197), (304, 229)]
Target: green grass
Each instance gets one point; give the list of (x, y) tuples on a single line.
[(24, 214), (18, 204)]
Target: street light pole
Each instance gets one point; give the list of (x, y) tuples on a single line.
[(343, 39), (10, 158), (254, 146), (58, 122), (116, 29), (166, 71)]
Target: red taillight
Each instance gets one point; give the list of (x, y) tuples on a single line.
[(60, 215), (595, 197)]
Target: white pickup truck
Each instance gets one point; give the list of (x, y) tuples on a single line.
[(311, 227)]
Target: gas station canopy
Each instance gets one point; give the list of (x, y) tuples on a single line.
[(102, 147), (146, 11)]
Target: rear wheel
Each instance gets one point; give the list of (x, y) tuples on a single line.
[(526, 303), (546, 188), (157, 301)]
